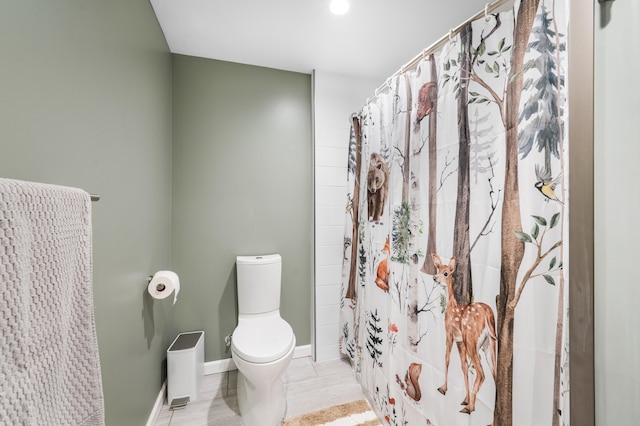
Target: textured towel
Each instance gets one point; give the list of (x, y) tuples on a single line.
[(49, 365)]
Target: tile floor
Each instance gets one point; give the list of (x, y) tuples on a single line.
[(310, 386)]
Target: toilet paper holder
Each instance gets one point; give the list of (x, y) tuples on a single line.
[(162, 284), (159, 287)]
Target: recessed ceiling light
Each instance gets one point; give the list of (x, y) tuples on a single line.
[(339, 7)]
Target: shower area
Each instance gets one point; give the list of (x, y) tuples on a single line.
[(454, 286), (573, 246), (456, 276)]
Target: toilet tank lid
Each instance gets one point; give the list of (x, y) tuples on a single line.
[(258, 260)]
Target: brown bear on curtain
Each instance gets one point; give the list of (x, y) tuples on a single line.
[(377, 187)]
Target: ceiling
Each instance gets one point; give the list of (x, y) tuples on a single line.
[(373, 40)]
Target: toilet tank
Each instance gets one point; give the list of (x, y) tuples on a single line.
[(259, 279)]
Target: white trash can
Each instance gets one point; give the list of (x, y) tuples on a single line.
[(185, 368)]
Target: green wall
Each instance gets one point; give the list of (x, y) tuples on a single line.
[(242, 185), (85, 101)]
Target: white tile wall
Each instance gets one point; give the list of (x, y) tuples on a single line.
[(331, 235), (328, 274), (333, 176), (331, 196), (328, 295), (336, 97), (331, 156)]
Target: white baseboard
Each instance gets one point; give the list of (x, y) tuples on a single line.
[(219, 366), (153, 417), (302, 351), (214, 367)]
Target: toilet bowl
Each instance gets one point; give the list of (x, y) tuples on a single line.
[(262, 344)]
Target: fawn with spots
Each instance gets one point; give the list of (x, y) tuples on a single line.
[(472, 327)]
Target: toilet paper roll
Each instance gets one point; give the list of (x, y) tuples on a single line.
[(163, 283)]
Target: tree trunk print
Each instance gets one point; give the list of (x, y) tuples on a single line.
[(461, 244), (512, 247), (557, 375), (412, 304), (428, 267), (406, 165), (351, 289)]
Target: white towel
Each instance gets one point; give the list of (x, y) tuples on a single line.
[(49, 365)]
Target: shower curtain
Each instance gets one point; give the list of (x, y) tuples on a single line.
[(454, 296)]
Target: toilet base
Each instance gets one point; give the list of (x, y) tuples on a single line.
[(261, 411), (261, 394)]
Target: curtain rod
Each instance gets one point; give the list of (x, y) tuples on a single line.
[(488, 8)]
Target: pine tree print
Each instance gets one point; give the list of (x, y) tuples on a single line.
[(374, 340)]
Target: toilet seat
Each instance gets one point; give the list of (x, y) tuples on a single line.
[(262, 339)]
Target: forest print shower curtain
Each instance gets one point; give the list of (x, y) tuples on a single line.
[(454, 297)]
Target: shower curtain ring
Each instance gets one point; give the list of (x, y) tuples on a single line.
[(486, 12), (451, 35)]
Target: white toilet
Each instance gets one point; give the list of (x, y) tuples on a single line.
[(262, 344)]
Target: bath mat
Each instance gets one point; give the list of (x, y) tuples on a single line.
[(356, 413)]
